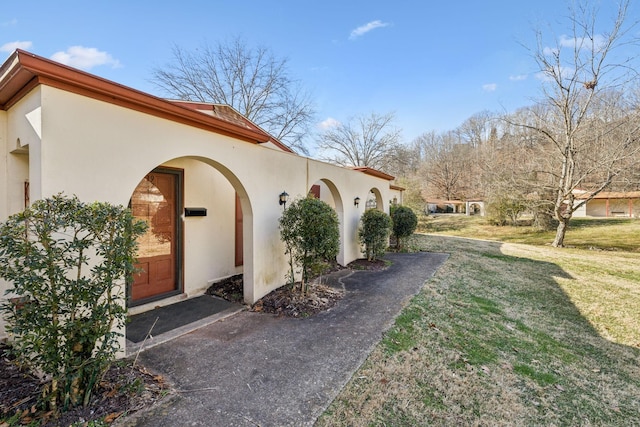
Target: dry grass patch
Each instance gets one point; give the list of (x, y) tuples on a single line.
[(617, 234), (507, 334)]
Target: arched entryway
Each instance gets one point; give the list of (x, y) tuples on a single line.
[(200, 230), (374, 200), (475, 207), (325, 190)]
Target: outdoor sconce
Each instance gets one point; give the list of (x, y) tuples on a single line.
[(356, 201), (395, 200), (282, 199)]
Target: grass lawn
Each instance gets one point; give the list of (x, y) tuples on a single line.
[(510, 334), (584, 233)]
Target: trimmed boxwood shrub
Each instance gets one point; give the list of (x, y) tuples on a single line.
[(405, 222), (374, 232), (309, 229)]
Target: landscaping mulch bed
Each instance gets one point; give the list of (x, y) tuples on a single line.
[(229, 289), (124, 389), (364, 264), (289, 301)]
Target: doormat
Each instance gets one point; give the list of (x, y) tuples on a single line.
[(173, 316)]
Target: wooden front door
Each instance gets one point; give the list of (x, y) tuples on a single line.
[(155, 201), (238, 223)]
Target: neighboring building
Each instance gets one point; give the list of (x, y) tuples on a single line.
[(609, 204), (444, 206), (475, 207), (206, 179)]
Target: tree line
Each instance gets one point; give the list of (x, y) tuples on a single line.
[(580, 137)]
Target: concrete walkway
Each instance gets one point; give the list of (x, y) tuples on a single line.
[(255, 369)]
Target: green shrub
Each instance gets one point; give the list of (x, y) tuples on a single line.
[(503, 210), (67, 262), (405, 222), (374, 233), (309, 228)]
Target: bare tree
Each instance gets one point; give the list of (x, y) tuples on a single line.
[(447, 165), (362, 141), (476, 129), (251, 80), (576, 73)]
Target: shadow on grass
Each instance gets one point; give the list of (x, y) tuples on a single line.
[(599, 222), (509, 316)]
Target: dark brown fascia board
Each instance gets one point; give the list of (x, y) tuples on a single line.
[(374, 172), (396, 187), (31, 70)]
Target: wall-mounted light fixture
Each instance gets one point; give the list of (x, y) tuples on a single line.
[(282, 199), (356, 201), (395, 200)]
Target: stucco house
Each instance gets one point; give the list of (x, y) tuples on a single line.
[(609, 204), (207, 180)]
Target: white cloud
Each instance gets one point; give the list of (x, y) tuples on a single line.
[(518, 77), (363, 29), (85, 58), (329, 123), (11, 46), (490, 87), (551, 74), (597, 43)]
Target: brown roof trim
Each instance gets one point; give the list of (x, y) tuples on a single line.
[(396, 187), (227, 110), (23, 71), (281, 145), (445, 202), (374, 172), (611, 195)]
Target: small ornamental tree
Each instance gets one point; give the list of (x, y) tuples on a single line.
[(374, 232), (67, 263), (405, 222), (505, 209), (310, 232)]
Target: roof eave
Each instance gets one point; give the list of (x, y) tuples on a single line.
[(374, 172), (20, 70)]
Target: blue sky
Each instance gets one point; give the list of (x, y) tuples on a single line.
[(432, 63)]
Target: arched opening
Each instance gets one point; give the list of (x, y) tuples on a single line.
[(327, 191), (475, 207), (374, 200), (200, 230)]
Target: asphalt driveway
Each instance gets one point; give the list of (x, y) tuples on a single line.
[(255, 369)]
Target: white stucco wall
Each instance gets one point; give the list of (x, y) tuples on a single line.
[(100, 151), (580, 212), (22, 148), (19, 132), (4, 167), (617, 208), (596, 207), (208, 241)]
